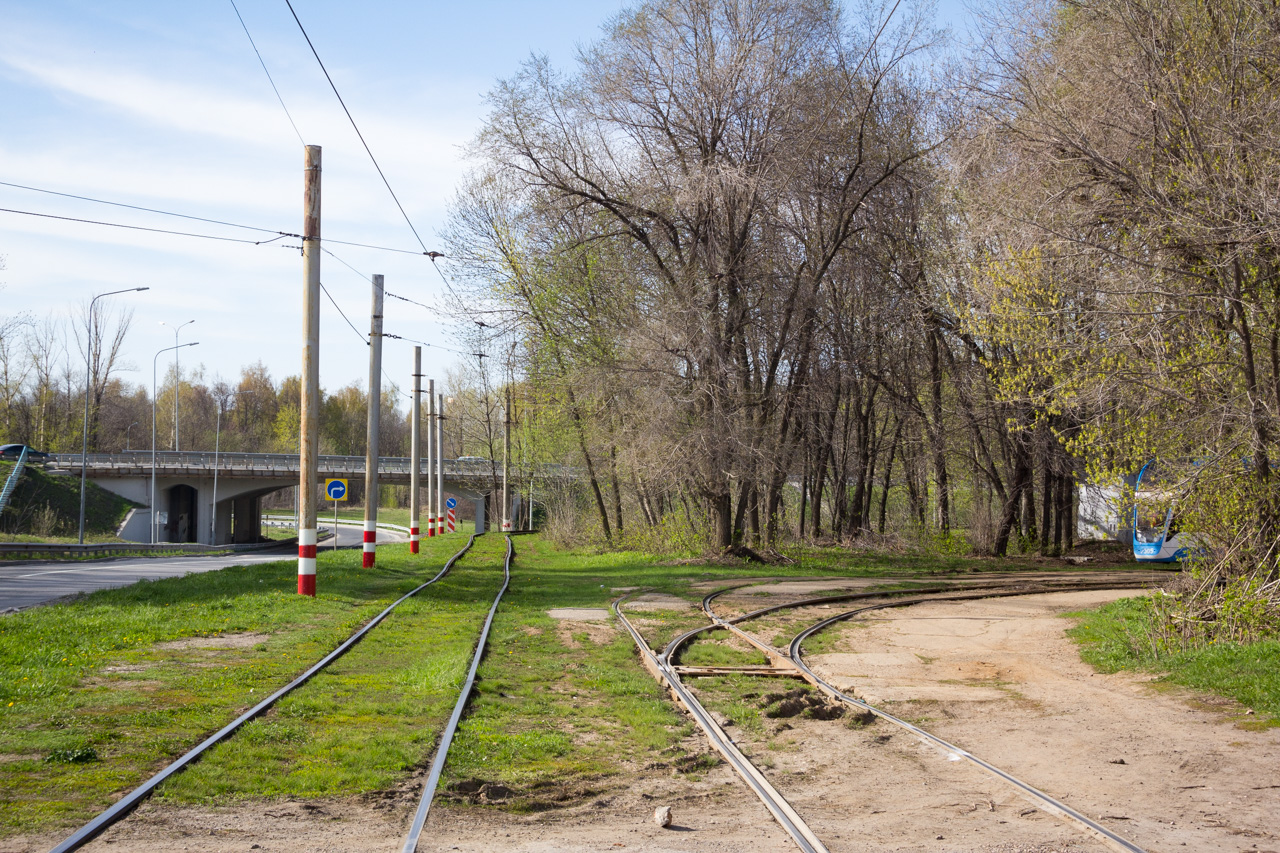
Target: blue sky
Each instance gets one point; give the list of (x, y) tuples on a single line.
[(164, 105)]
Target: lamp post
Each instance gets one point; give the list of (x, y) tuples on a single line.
[(177, 378), (217, 437), (126, 434), (88, 383), (154, 362)]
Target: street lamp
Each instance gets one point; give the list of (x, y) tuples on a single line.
[(126, 434), (217, 437), (177, 378), (88, 383), (154, 362)]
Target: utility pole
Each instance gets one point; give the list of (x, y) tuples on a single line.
[(506, 463), (371, 446), (440, 466), (433, 458), (309, 428), (415, 451)]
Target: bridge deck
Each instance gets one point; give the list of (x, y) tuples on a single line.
[(284, 466)]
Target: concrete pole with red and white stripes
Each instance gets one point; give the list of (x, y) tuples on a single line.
[(431, 457), (374, 425), (415, 451), (440, 464), (309, 402)]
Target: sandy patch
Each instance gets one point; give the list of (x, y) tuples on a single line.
[(581, 614), (658, 601), (222, 641), (1000, 678)]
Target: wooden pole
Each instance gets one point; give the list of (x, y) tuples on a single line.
[(309, 428)]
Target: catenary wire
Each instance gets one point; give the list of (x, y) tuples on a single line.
[(354, 125), (425, 344), (432, 255), (279, 235), (334, 303), (263, 63), (145, 209), (410, 301)]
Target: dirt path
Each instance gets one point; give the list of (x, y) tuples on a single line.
[(1163, 768), (998, 677)]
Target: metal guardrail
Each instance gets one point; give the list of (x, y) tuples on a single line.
[(35, 549), (342, 522), (282, 463)]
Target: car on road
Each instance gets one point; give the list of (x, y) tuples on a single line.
[(11, 452)]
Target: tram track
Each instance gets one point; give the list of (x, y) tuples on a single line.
[(790, 662), (446, 737), (126, 804)]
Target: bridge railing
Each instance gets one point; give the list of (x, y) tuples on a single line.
[(283, 463)]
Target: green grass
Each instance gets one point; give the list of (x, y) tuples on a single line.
[(104, 673), (373, 715), (716, 649), (555, 710), (99, 693), (1113, 638), (47, 506)]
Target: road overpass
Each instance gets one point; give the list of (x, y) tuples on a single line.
[(185, 487)]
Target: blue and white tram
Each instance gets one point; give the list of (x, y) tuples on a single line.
[(1156, 538)]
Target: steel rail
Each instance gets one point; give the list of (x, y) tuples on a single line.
[(780, 655), (131, 800), (793, 655), (446, 738), (777, 805)]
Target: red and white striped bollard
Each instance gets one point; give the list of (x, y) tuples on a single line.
[(307, 562), (370, 544)]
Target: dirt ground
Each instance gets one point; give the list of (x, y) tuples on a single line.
[(1164, 768)]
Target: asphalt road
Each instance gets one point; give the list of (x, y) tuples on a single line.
[(30, 583)]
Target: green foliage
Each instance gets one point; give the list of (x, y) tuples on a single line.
[(48, 506), (135, 676), (1132, 633)]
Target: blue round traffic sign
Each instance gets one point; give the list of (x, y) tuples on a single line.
[(335, 489), (451, 503)]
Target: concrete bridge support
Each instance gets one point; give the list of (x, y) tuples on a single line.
[(247, 523)]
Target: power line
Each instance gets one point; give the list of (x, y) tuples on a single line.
[(425, 344), (432, 255), (268, 73), (334, 303), (280, 235), (353, 125), (145, 209), (410, 301), (344, 263)]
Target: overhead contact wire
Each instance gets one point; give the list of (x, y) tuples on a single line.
[(144, 209), (356, 127), (263, 63), (280, 235)]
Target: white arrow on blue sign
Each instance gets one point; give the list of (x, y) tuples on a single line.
[(335, 490), (451, 503)]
